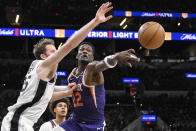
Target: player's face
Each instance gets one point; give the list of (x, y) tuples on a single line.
[(50, 49), (85, 53), (61, 109)]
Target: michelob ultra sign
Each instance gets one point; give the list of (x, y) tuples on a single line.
[(96, 34)]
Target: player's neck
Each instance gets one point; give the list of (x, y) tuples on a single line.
[(59, 120), (79, 70), (81, 67)]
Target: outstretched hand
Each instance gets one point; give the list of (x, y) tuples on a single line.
[(104, 8), (125, 57)]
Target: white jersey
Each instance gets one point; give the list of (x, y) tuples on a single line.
[(34, 96), (47, 126)]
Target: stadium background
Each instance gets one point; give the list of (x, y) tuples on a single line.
[(163, 88)]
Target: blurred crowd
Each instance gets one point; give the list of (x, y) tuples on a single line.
[(177, 112)]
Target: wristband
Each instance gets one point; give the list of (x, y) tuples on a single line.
[(106, 61)]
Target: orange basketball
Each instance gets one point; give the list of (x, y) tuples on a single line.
[(151, 35)]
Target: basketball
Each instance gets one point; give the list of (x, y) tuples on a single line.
[(151, 35)]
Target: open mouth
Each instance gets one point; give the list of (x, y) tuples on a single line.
[(63, 112), (84, 56)]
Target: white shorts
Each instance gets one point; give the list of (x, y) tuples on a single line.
[(24, 124)]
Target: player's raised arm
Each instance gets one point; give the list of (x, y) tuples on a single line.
[(93, 74), (112, 60), (52, 61)]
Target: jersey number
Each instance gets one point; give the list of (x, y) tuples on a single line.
[(76, 99), (26, 82)]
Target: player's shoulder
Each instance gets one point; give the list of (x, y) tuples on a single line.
[(72, 74), (35, 63), (92, 64)]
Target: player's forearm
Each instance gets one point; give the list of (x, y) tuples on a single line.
[(100, 66), (60, 95), (71, 43), (80, 35)]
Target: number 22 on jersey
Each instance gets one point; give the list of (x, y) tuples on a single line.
[(77, 99)]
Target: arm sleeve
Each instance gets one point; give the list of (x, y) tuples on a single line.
[(46, 127), (60, 88)]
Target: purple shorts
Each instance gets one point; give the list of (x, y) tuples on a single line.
[(73, 125)]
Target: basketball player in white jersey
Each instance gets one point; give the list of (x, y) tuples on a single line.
[(59, 110), (39, 84)]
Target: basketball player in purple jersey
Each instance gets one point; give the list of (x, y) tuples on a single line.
[(89, 97)]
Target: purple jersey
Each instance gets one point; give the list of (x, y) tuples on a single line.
[(89, 101)]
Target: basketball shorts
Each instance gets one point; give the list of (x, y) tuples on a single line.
[(22, 124), (73, 125)]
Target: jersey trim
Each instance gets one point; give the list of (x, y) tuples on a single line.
[(93, 95), (83, 82), (71, 74), (53, 123), (39, 93), (92, 89)]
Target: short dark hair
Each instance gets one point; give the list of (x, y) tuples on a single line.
[(40, 47), (87, 43), (54, 103)]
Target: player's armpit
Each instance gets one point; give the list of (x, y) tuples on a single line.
[(93, 74)]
